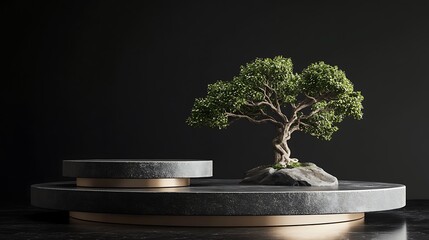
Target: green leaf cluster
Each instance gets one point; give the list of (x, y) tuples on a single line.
[(339, 100), (272, 80), (279, 166)]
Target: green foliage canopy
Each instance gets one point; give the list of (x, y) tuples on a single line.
[(268, 91)]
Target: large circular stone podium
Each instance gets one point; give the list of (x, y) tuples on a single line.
[(206, 202)]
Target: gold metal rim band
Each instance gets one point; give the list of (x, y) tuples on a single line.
[(132, 183), (217, 221)]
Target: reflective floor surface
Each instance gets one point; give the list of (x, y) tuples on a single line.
[(24, 222)]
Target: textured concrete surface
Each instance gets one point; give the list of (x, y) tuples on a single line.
[(137, 168), (222, 197)]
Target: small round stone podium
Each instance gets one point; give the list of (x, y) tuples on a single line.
[(132, 192), (134, 173)]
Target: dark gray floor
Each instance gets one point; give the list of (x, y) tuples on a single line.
[(24, 222)]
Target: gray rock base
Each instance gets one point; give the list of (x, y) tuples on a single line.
[(307, 175)]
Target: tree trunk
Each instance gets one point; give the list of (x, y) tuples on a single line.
[(281, 149)]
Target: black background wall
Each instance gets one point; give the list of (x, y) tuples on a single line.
[(117, 79)]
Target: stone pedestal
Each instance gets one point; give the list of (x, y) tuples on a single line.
[(135, 173), (205, 202)]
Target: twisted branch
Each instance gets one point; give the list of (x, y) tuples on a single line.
[(264, 120)]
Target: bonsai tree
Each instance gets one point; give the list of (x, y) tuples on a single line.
[(267, 91)]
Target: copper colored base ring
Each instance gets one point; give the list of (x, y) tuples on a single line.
[(217, 221), (132, 183)]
